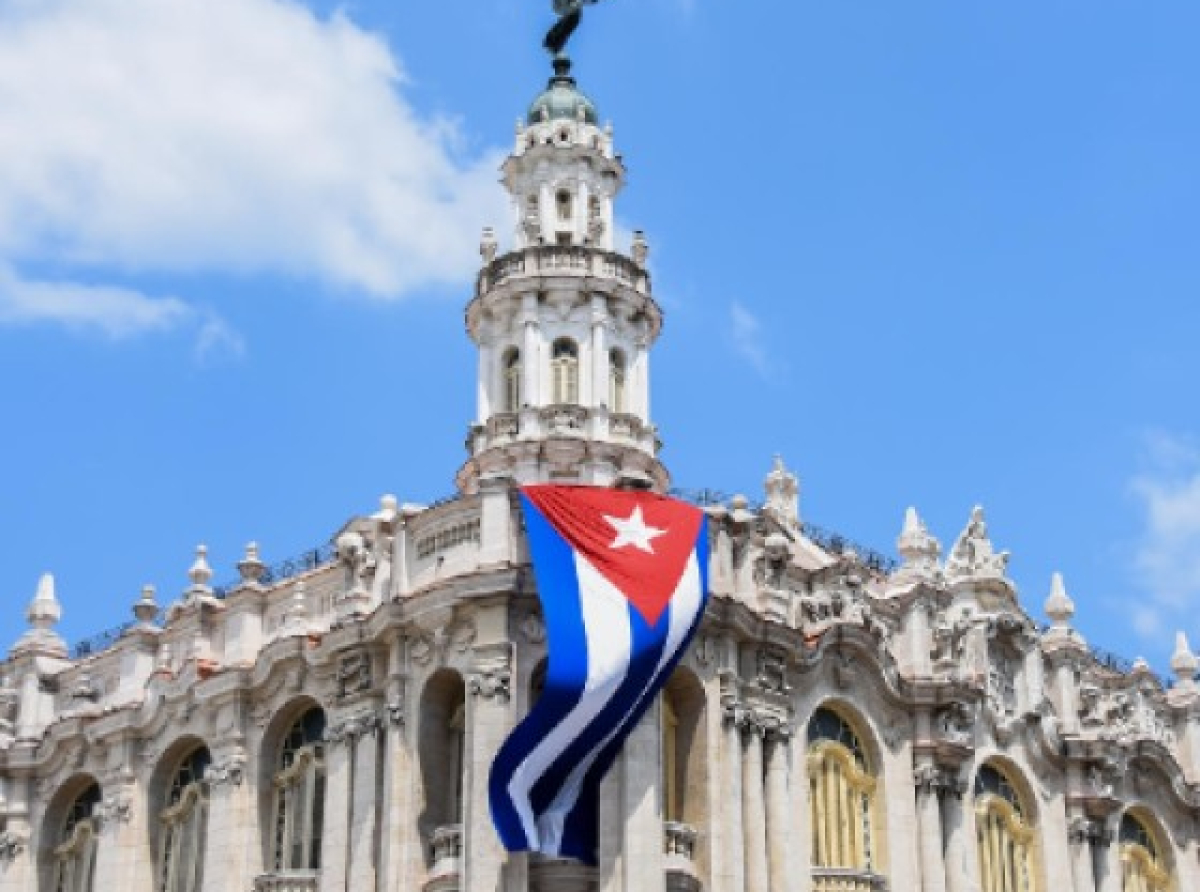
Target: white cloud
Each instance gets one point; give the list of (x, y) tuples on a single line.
[(1167, 558), (117, 312), (223, 135), (746, 331)]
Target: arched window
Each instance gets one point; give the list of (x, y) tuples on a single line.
[(562, 201), (841, 802), (183, 823), (299, 793), (442, 739), (616, 382), (1143, 868), (75, 854), (512, 380), (564, 371), (1003, 833)]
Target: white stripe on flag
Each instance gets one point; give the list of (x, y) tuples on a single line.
[(685, 604), (605, 614)]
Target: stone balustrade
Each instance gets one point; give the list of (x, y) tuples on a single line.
[(837, 879), (679, 846), (563, 260), (288, 881), (445, 852)]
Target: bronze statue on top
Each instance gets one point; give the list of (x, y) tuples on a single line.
[(570, 13)]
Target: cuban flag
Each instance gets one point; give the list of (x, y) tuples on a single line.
[(622, 577)]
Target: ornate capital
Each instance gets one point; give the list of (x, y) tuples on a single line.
[(11, 846), (491, 676), (349, 730), (353, 673), (935, 780), (228, 772), (1085, 830), (115, 808)]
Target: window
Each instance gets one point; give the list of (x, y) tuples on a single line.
[(299, 786), (670, 760), (1003, 834), (841, 802), (564, 371), (183, 826), (75, 854), (442, 753), (562, 201), (1142, 867), (616, 382), (512, 381)]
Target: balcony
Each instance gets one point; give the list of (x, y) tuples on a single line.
[(445, 854), (563, 260), (561, 875), (288, 881), (843, 879), (679, 847)]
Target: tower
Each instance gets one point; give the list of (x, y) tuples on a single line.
[(563, 323)]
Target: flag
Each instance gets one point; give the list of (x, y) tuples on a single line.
[(622, 577)]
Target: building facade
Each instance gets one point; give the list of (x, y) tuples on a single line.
[(841, 723)]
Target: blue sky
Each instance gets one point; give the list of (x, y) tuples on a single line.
[(935, 253)]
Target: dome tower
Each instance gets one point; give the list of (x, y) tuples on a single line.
[(563, 323)]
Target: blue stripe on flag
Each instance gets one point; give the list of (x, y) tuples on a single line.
[(554, 568)]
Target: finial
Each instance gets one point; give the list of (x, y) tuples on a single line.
[(1140, 666), (200, 572), (919, 549), (251, 567), (641, 249), (488, 245), (1184, 663), (43, 615), (146, 608), (1059, 606)]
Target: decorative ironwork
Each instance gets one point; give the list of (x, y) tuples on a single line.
[(833, 542)]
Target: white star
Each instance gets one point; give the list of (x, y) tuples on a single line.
[(633, 531)]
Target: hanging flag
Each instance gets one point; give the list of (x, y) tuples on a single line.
[(622, 577)]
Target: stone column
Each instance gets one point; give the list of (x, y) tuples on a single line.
[(226, 853), (755, 825), (1108, 861), (401, 864), (734, 878), (363, 848), (17, 868), (631, 855), (955, 823), (489, 719), (487, 390), (531, 361), (926, 780), (1081, 832), (338, 775), (781, 836), (121, 856)]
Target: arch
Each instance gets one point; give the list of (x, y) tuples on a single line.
[(70, 831), (510, 369), (181, 808), (618, 387), (564, 372), (685, 749), (1005, 822), (294, 792), (441, 739), (564, 205), (1145, 853), (844, 810)]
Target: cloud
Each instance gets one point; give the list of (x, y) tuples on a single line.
[(1167, 556), (746, 332), (231, 136), (117, 312)]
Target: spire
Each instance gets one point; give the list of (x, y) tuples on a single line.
[(43, 614), (1184, 663), (1059, 606), (919, 549)]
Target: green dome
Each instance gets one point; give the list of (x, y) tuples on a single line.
[(562, 99)]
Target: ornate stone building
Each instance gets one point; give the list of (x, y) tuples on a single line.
[(842, 723)]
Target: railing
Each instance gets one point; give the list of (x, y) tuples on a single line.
[(288, 881), (839, 879), (551, 259), (312, 559), (679, 839), (445, 854), (679, 847), (829, 540)]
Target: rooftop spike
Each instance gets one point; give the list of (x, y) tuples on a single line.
[(43, 613), (146, 608), (1059, 606), (1184, 662), (919, 549), (200, 573)]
